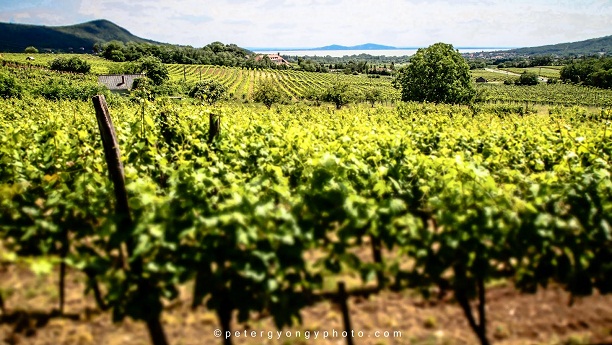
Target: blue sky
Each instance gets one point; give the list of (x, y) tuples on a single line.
[(313, 23)]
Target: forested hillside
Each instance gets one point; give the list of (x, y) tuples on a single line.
[(77, 38)]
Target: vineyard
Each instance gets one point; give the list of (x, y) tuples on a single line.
[(261, 220), (293, 84), (548, 94), (491, 76), (99, 65)]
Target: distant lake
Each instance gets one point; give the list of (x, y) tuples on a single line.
[(341, 53)]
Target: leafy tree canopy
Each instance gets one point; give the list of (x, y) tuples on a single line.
[(436, 74), (314, 95), (373, 95), (151, 66), (215, 53), (31, 50), (267, 93), (338, 93), (73, 64), (208, 90), (528, 78), (593, 72)]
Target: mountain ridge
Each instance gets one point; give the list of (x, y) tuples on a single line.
[(78, 37), (366, 46), (590, 46)]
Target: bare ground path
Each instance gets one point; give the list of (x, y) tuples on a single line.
[(542, 79), (544, 318)]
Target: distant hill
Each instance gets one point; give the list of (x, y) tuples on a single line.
[(367, 46), (77, 38), (587, 47)]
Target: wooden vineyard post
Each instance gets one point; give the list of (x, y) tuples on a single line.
[(224, 313), (62, 279), (113, 160), (215, 127), (346, 319), (377, 253), (115, 169)]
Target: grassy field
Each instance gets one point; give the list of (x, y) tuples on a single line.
[(543, 71), (491, 76)]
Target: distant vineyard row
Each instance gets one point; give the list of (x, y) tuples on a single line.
[(548, 94), (241, 82), (294, 84)]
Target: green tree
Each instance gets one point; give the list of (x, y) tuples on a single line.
[(113, 51), (31, 50), (338, 93), (154, 69), (601, 78), (267, 93), (117, 56), (208, 90), (314, 95), (373, 95), (593, 72), (436, 74), (527, 78)]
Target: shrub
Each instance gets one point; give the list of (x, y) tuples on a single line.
[(267, 93), (9, 87), (208, 90), (154, 69), (338, 93), (314, 95), (143, 88), (73, 64), (151, 66), (143, 83), (528, 78), (373, 95), (60, 89)]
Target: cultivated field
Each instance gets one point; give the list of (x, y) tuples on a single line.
[(417, 208)]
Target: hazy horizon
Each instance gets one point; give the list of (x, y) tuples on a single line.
[(393, 48), (318, 23)]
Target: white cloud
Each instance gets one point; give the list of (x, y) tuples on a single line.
[(299, 23)]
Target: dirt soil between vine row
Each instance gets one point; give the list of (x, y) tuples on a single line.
[(514, 318)]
